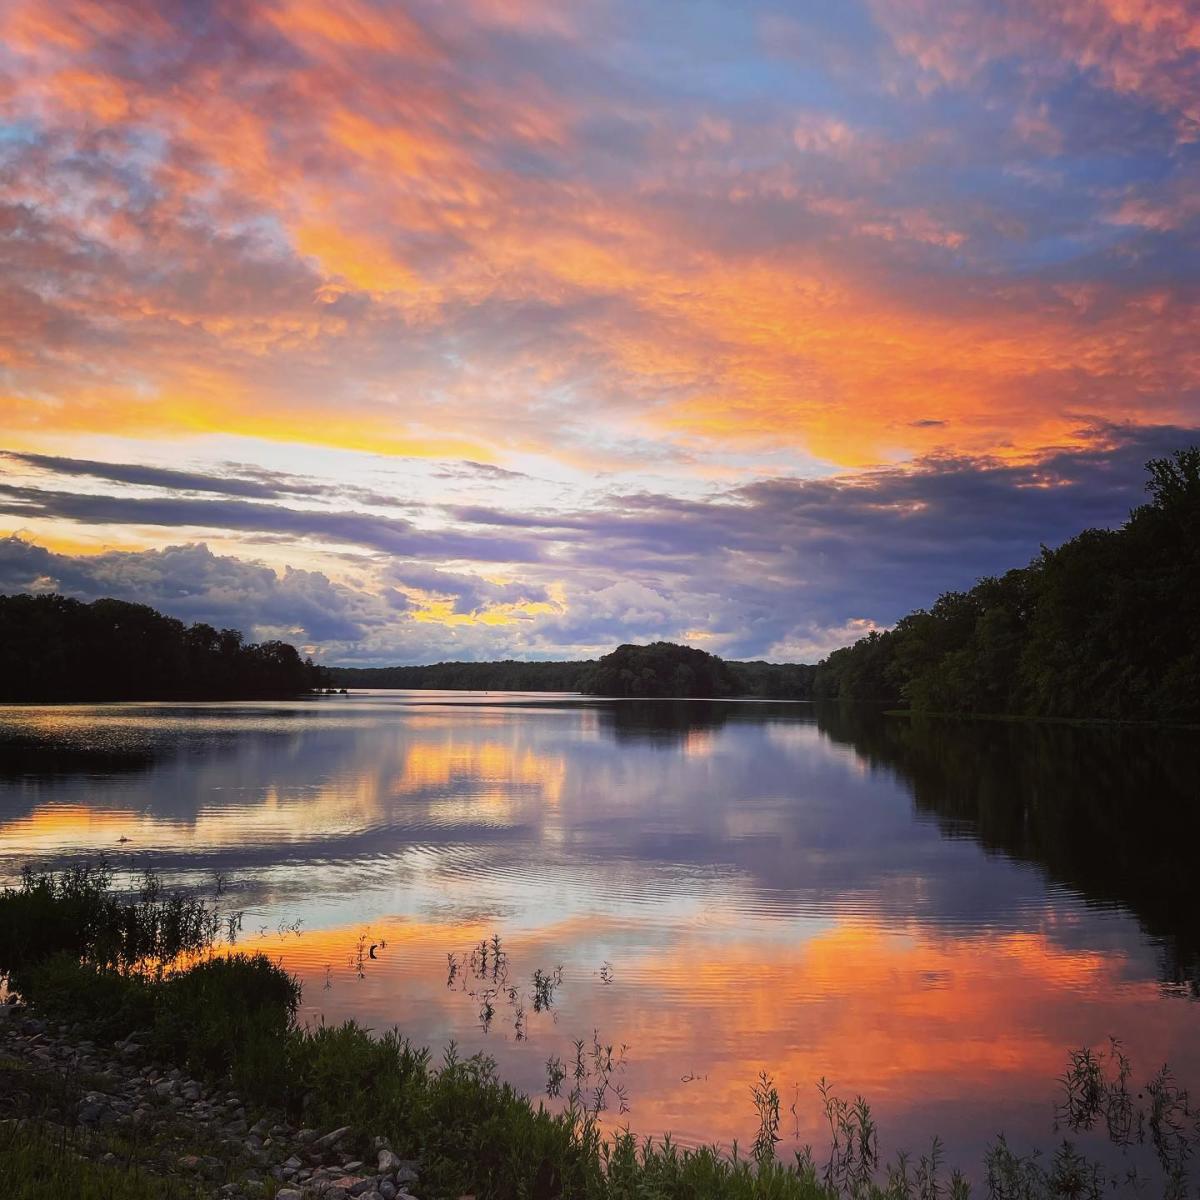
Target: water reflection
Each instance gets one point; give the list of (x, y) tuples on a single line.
[(928, 912), (1110, 812)]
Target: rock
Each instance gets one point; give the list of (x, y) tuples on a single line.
[(288, 1194), (406, 1172), (350, 1185), (292, 1164), (387, 1189), (331, 1139), (388, 1162), (305, 1136), (189, 1162)]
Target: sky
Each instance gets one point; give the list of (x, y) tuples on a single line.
[(413, 331)]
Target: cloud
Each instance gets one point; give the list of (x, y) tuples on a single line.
[(266, 486), (192, 583), (473, 470), (392, 535), (425, 232)]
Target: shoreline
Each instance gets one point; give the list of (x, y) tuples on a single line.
[(131, 1117), (1020, 719)]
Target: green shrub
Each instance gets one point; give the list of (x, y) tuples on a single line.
[(226, 1014), (65, 989)]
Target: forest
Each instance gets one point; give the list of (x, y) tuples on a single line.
[(53, 648), (1106, 626)]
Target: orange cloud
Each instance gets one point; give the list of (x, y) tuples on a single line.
[(364, 233)]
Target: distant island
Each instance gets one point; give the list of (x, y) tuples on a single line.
[(55, 649), (661, 669)]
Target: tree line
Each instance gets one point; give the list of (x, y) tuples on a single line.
[(1105, 626), (508, 675), (659, 669), (53, 648)]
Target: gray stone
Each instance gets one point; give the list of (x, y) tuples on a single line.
[(388, 1162), (387, 1189), (331, 1139), (305, 1136), (407, 1173), (288, 1194)]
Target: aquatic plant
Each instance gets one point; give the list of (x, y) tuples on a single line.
[(766, 1104), (544, 986), (78, 911)]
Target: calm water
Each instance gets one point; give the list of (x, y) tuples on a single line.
[(926, 913)]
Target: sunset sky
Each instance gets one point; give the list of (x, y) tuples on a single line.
[(499, 328)]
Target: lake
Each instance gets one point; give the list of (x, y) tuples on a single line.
[(930, 913)]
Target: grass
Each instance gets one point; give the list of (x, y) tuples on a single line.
[(234, 1018), (37, 1164)]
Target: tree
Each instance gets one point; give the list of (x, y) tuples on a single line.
[(660, 669), (53, 648)]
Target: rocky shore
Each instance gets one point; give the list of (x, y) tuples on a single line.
[(111, 1104)]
